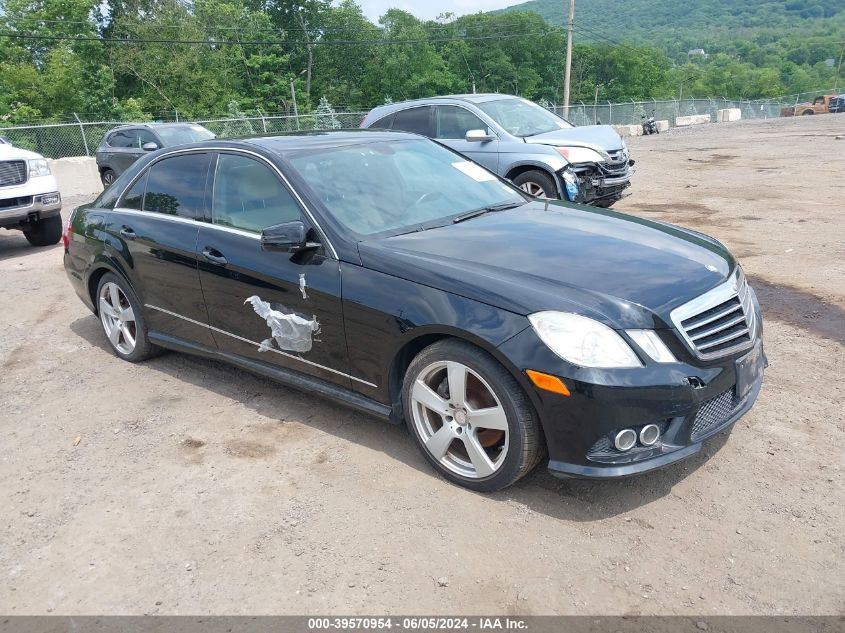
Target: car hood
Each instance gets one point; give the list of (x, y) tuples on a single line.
[(600, 137), (10, 152), (622, 270)]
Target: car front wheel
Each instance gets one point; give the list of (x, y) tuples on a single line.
[(108, 177), (470, 418), (537, 183)]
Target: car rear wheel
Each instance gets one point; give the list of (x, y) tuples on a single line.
[(537, 183), (108, 177), (807, 113), (122, 320), (470, 418), (45, 232)]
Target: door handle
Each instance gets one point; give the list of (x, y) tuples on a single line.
[(128, 233), (214, 256)]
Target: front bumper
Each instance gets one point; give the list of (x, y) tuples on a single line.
[(690, 402), (599, 182), (674, 446), (38, 198)]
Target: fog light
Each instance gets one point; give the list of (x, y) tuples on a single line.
[(625, 440), (649, 434)]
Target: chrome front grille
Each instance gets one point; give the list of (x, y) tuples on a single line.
[(719, 322), (617, 163), (12, 172), (618, 156)]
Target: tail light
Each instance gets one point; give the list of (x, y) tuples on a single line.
[(68, 232)]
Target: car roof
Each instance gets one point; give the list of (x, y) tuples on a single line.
[(470, 98), (129, 126), (384, 110)]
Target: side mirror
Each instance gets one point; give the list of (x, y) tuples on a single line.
[(149, 146), (478, 136), (289, 237)]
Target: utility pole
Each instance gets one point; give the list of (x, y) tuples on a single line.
[(295, 109), (568, 59), (838, 67)]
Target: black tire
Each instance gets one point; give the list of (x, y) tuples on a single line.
[(807, 113), (526, 444), (539, 178), (108, 177), (45, 232), (143, 348)]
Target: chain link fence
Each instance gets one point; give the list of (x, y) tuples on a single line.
[(59, 140), (631, 113)]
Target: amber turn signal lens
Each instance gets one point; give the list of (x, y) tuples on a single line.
[(547, 382)]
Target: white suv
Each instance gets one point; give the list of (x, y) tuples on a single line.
[(29, 196)]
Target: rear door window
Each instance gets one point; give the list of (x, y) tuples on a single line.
[(384, 123), (134, 197), (177, 185), (416, 120), (123, 138)]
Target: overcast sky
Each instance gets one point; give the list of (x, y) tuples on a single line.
[(428, 9)]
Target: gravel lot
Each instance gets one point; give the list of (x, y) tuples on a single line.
[(183, 486)]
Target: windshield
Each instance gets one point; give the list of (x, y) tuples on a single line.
[(182, 135), (398, 186), (522, 117)]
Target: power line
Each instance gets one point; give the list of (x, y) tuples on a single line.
[(317, 30), (214, 42)]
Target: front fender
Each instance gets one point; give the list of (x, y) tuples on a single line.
[(386, 316)]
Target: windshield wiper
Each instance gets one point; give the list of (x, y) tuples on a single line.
[(489, 209)]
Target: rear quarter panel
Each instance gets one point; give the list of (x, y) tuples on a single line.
[(85, 249)]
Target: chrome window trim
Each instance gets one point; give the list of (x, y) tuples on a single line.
[(246, 340), (197, 223), (197, 150), (735, 286)]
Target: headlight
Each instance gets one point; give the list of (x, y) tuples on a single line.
[(580, 154), (38, 167), (652, 345), (583, 341)]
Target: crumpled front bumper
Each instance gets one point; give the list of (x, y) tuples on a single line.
[(598, 182)]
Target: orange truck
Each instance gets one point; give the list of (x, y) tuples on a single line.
[(820, 105)]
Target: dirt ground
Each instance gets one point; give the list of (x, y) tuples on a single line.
[(183, 486)]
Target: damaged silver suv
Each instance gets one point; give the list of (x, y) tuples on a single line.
[(544, 155)]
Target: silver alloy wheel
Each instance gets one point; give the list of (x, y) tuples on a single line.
[(118, 318), (108, 178), (533, 189), (466, 430)]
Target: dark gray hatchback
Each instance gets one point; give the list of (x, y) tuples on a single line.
[(123, 145)]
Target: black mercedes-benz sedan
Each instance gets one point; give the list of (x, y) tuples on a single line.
[(387, 272)]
